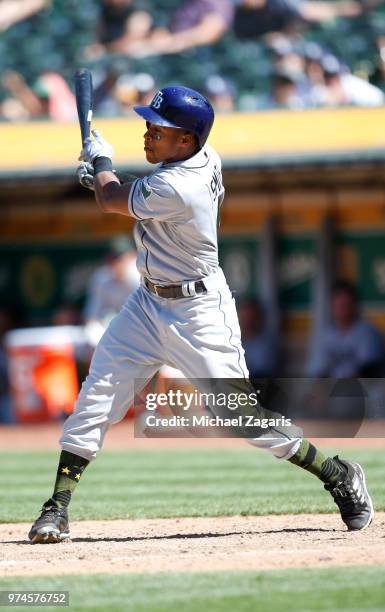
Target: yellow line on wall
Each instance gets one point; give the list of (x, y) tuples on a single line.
[(46, 145)]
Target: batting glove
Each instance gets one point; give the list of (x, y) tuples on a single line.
[(95, 147), (86, 177), (85, 174)]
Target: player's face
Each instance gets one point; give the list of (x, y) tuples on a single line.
[(167, 144)]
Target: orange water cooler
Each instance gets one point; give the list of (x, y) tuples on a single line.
[(42, 370)]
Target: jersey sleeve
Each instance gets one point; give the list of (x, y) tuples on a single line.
[(153, 197)]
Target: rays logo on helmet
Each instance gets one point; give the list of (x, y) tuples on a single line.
[(157, 100)]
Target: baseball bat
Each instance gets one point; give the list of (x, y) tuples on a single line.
[(83, 91)]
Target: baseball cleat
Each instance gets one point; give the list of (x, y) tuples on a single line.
[(52, 525), (352, 497)]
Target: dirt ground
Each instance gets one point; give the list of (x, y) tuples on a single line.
[(194, 544), (186, 544)]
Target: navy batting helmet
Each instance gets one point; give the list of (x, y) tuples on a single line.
[(180, 107)]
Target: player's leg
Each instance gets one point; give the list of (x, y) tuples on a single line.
[(204, 342), (210, 347), (128, 354)]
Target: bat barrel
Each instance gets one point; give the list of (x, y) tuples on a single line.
[(83, 92)]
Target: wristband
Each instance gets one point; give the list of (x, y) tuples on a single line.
[(102, 164)]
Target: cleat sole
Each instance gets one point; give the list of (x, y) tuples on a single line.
[(50, 537)]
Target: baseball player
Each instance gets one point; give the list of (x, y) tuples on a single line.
[(183, 314)]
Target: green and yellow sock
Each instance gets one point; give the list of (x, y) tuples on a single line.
[(313, 460), (68, 475)]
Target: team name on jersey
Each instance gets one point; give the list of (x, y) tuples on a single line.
[(216, 183)]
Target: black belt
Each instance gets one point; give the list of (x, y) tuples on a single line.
[(176, 291)]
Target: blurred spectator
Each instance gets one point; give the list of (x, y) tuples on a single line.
[(194, 23), (49, 97), (66, 314), (134, 89), (5, 397), (116, 93), (313, 54), (350, 347), (12, 11), (220, 92), (286, 55), (104, 101), (341, 88), (260, 344), (110, 286), (121, 24), (255, 18), (292, 74), (288, 90)]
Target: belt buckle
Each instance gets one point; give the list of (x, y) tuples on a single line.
[(156, 290)]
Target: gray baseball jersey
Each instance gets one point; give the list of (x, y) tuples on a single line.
[(177, 208)]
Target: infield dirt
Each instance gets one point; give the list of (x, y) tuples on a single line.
[(194, 544)]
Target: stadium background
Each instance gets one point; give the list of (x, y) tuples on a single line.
[(298, 167), (305, 201)]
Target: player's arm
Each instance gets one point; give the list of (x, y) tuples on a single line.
[(138, 198), (111, 196)]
